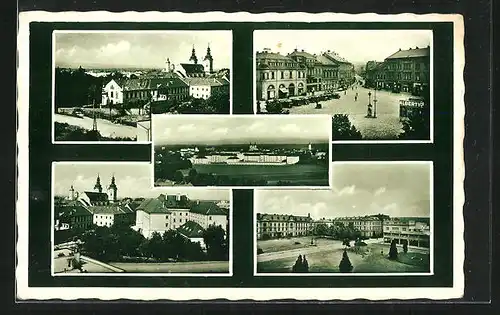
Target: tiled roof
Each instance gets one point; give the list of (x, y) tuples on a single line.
[(302, 54), (96, 196), (271, 55), (111, 209), (325, 61), (72, 209), (206, 81), (177, 204), (152, 83), (207, 208), (335, 57), (152, 205), (192, 68), (410, 53), (191, 229), (170, 82)]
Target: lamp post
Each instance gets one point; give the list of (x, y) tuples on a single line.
[(369, 110), (375, 104)]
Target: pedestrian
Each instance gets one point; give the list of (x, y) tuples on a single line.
[(355, 98), (298, 264), (305, 265), (345, 92)]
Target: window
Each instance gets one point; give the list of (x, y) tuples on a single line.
[(291, 75), (282, 74), (166, 225), (272, 75), (210, 218), (174, 220)]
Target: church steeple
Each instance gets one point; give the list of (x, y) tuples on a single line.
[(209, 60), (98, 186), (193, 57), (112, 190)]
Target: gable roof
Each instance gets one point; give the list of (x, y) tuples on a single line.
[(325, 61), (110, 209), (192, 68), (410, 53), (72, 209), (96, 196), (302, 54), (334, 56), (152, 206), (282, 217), (206, 81), (207, 208), (191, 229)]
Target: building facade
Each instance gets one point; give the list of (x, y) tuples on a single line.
[(406, 70), (369, 226), (329, 74), (411, 232), (206, 87), (314, 69), (279, 76), (346, 73), (279, 225)]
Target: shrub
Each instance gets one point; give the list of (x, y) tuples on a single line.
[(296, 243), (345, 264), (259, 251), (393, 251)]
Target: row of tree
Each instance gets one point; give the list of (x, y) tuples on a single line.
[(118, 242), (217, 103)]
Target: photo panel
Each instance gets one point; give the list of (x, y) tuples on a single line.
[(377, 84), (106, 84), (376, 220), (107, 220), (244, 151)]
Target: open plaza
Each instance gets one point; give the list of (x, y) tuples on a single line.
[(324, 256)]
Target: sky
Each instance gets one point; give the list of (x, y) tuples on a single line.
[(240, 129), (357, 46), (140, 49), (398, 190), (132, 180)]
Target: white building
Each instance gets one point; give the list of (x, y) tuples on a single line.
[(409, 231), (205, 87), (112, 93)]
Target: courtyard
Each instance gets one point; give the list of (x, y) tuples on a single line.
[(279, 256)]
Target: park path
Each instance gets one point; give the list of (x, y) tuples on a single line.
[(105, 127)]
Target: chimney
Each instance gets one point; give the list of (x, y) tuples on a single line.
[(416, 47), (302, 50), (295, 49), (308, 215)]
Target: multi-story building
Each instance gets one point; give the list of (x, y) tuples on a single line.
[(369, 226), (371, 71), (177, 212), (406, 70), (279, 76), (283, 225), (72, 215), (206, 87), (314, 69), (346, 73), (329, 70), (409, 231)]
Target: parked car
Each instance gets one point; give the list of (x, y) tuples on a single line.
[(335, 96), (78, 113), (318, 106)]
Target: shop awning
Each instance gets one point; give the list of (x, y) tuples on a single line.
[(283, 90)]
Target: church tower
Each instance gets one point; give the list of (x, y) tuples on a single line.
[(98, 187), (193, 57), (208, 61), (72, 195), (167, 65), (112, 190)]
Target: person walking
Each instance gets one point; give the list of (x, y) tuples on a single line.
[(356, 97), (305, 264), (298, 264)]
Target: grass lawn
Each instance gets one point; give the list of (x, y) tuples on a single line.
[(372, 261)]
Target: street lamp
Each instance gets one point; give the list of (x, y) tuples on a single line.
[(369, 110), (375, 104)]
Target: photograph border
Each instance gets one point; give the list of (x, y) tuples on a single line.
[(110, 31), (26, 293), (257, 195), (374, 141), (159, 190), (279, 117)]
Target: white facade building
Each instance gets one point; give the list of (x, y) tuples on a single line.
[(112, 93)]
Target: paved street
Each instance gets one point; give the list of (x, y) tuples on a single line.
[(106, 128), (386, 126), (178, 267)]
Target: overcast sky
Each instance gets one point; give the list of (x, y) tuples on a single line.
[(357, 46), (358, 190), (239, 129), (140, 49), (132, 180)]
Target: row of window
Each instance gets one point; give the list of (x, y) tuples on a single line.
[(282, 75)]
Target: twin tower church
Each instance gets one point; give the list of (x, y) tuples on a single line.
[(193, 69), (96, 197)]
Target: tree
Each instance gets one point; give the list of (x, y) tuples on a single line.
[(345, 264), (214, 237), (393, 251), (416, 126), (178, 177), (192, 174), (274, 107), (342, 129), (346, 242), (320, 229), (405, 246)]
